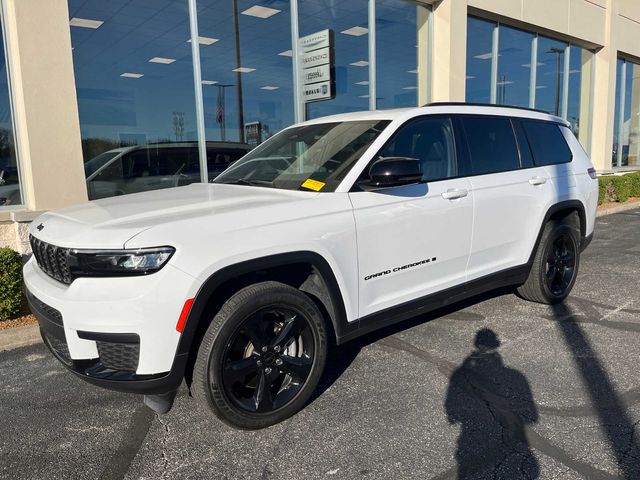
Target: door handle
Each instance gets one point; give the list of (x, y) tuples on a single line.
[(454, 193), (537, 180)]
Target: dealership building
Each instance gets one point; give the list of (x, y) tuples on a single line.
[(92, 80)]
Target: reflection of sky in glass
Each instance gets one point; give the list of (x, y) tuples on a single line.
[(514, 67), (261, 41), (550, 75), (120, 108), (396, 38), (479, 47)]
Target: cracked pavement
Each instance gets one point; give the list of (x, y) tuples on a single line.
[(494, 388)]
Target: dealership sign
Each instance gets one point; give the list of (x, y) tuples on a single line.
[(318, 72)]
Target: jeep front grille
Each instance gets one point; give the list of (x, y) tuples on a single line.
[(52, 260)]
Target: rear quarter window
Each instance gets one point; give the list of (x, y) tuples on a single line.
[(547, 143)]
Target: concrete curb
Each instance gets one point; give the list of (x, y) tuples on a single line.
[(17, 337), (623, 207)]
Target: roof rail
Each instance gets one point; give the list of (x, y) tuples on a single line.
[(465, 104)]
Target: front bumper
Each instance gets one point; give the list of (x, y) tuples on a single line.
[(123, 338)]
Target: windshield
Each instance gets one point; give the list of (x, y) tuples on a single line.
[(313, 157), (96, 163)]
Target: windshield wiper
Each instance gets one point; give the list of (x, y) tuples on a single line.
[(252, 183)]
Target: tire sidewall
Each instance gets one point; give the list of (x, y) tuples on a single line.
[(253, 299)]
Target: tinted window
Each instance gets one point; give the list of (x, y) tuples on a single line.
[(492, 145), (430, 140), (547, 143)]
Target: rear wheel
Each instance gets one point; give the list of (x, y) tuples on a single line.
[(555, 265), (262, 356)]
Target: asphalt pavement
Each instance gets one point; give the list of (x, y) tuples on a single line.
[(492, 388)]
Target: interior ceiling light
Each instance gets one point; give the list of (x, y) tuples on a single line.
[(470, 77), (412, 71), (165, 61), (269, 87), (355, 31), (244, 69), (409, 88), (484, 56), (364, 82), (209, 82), (363, 96), (360, 63), (286, 53), (206, 40), (528, 65), (505, 82), (131, 75), (85, 23), (260, 12)]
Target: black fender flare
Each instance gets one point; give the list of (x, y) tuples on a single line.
[(566, 205), (220, 277)]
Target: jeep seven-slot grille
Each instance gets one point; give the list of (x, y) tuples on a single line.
[(51, 259)]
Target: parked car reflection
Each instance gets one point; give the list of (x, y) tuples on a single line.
[(150, 167)]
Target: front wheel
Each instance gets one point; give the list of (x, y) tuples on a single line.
[(262, 356), (555, 265)]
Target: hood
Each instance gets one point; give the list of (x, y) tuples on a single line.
[(110, 222)]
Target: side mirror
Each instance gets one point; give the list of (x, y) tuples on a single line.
[(395, 171)]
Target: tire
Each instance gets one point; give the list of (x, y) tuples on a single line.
[(262, 356), (555, 264)]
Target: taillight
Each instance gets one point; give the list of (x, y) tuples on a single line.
[(592, 172)]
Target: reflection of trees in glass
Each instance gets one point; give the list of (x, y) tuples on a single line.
[(178, 125)]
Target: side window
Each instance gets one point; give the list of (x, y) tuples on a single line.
[(431, 141), (492, 145), (172, 160), (548, 145), (112, 172)]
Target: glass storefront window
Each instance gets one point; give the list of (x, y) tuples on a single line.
[(349, 21), (135, 89), (9, 169), (514, 67), (397, 50), (550, 75), (562, 73), (479, 59), (246, 73), (626, 141)]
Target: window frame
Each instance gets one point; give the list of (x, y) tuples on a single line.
[(457, 150)]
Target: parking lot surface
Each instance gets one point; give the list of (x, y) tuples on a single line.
[(493, 388)]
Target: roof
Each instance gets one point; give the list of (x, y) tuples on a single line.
[(439, 108)]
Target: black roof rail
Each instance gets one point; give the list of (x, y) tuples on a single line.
[(465, 104)]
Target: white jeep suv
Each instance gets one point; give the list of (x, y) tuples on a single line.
[(331, 229)]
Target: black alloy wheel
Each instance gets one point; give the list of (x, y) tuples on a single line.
[(555, 263), (268, 360), (261, 357), (561, 264)]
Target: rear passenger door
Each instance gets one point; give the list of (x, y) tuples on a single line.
[(510, 193)]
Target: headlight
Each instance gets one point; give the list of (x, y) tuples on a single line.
[(94, 263)]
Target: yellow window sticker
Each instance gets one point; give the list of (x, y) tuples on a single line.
[(314, 185)]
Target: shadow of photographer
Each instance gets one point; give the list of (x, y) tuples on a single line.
[(507, 395)]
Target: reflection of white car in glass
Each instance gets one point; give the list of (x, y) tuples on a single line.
[(149, 167)]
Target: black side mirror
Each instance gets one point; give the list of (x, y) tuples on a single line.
[(395, 171)]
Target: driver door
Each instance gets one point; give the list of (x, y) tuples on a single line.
[(414, 240)]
